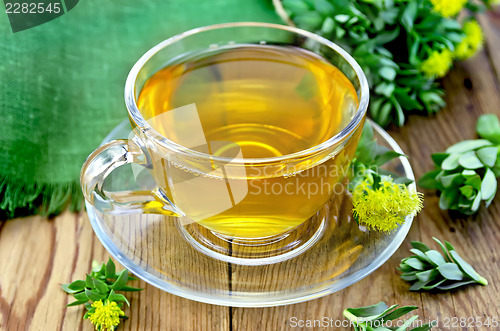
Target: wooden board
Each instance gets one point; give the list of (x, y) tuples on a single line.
[(37, 254)]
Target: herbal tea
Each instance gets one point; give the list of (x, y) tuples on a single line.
[(269, 101)]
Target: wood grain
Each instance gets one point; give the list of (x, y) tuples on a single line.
[(37, 254)]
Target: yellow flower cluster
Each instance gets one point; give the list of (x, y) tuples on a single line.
[(447, 8), (472, 42), (387, 206), (106, 316), (437, 64)]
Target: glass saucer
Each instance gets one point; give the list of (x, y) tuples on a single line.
[(156, 249)]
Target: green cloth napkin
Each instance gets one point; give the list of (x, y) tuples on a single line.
[(61, 88)]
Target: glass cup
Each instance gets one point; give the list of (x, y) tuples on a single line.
[(218, 199)]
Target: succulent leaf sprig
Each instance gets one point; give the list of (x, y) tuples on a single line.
[(381, 199), (428, 269), (98, 294), (372, 318), (403, 46), (466, 172)]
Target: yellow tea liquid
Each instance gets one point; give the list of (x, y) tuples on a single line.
[(271, 101)]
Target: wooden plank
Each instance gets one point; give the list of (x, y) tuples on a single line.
[(39, 254)]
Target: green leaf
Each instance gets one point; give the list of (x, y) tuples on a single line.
[(82, 296), (448, 198), (454, 179), (487, 155), (367, 152), (451, 162), (89, 282), (130, 288), (68, 290), (438, 158), (75, 303), (415, 263), (409, 14), (328, 26), (432, 100), (465, 267), (450, 271), (383, 117), (100, 286), (488, 185), (400, 116), (368, 311), (384, 38), (77, 285), (428, 180), (469, 160), (94, 296), (117, 297), (434, 285), (295, 5), (387, 73), (445, 251), (417, 286), (467, 191), (455, 285), (435, 258), (468, 173), (488, 202), (468, 145), (488, 127), (309, 20), (386, 157), (409, 276), (398, 313), (427, 276), (403, 180), (341, 18), (449, 246), (408, 102), (385, 89), (407, 323), (420, 246), (367, 134), (324, 7), (405, 268), (120, 281), (110, 269), (420, 255), (96, 267), (474, 181), (476, 203)]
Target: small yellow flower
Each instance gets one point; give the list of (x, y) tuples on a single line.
[(437, 64), (472, 42), (106, 316), (387, 206), (447, 8)]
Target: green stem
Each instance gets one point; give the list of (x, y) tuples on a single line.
[(483, 281), (350, 316)]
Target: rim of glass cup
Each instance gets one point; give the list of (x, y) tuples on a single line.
[(147, 129)]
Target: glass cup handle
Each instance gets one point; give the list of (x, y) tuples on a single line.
[(101, 163)]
